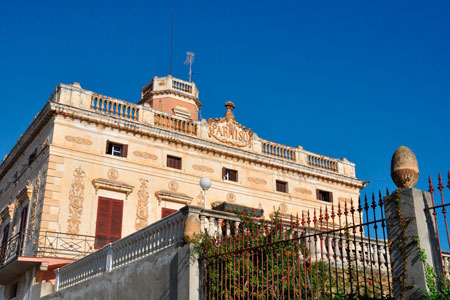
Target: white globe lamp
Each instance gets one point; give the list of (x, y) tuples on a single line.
[(205, 184)]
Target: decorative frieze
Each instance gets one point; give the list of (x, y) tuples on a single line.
[(256, 180), (142, 205), (78, 140), (303, 191), (203, 168), (145, 155), (76, 199), (173, 197), (231, 197)]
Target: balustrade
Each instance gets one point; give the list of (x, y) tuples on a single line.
[(322, 162), (169, 122), (279, 151), (184, 87), (114, 107)]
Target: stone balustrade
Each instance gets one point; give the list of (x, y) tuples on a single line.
[(181, 86), (114, 107), (322, 162), (278, 150), (446, 263), (167, 121)]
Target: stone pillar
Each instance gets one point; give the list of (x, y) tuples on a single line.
[(408, 233), (410, 229)]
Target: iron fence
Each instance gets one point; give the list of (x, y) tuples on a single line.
[(323, 254)]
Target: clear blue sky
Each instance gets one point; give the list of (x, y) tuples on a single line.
[(354, 79)]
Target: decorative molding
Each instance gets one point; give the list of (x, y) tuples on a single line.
[(200, 199), (25, 193), (203, 168), (113, 174), (231, 197), (344, 199), (7, 212), (34, 201), (76, 198), (78, 140), (145, 155), (173, 197), (106, 184), (303, 191), (142, 205), (173, 186), (256, 180), (283, 208)]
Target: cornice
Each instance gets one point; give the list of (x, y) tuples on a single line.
[(204, 145)]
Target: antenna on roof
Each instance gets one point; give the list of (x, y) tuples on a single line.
[(189, 61), (171, 43)]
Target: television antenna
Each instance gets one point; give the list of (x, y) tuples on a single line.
[(189, 61)]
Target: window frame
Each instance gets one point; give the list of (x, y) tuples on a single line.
[(226, 171), (102, 240), (321, 192), (110, 149), (282, 183), (174, 162)]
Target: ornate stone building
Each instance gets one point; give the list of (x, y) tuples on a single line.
[(91, 169)]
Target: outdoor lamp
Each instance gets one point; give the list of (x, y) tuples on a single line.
[(205, 184)]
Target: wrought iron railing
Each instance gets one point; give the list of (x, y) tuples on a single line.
[(49, 244)]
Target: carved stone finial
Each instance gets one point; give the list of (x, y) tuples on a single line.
[(230, 106), (404, 168)]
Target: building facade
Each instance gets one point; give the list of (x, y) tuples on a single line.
[(91, 169)]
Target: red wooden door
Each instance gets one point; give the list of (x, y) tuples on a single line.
[(109, 221)]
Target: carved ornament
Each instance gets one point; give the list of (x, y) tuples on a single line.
[(173, 197), (343, 199), (200, 199), (283, 208), (256, 180), (78, 140), (25, 193), (113, 174), (173, 186), (231, 197), (142, 205), (145, 155), (110, 185), (228, 131), (203, 168), (7, 212), (34, 201), (76, 199)]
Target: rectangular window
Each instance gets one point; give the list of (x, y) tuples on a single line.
[(230, 175), (174, 162), (32, 157), (324, 196), (116, 149), (282, 186), (165, 212), (109, 221)]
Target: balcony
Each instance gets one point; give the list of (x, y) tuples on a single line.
[(20, 253)]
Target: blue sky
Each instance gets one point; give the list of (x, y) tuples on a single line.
[(354, 79)]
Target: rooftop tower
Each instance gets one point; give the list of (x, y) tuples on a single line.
[(172, 95)]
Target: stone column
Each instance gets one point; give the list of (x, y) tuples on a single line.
[(410, 228)]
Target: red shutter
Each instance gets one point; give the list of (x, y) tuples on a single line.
[(331, 197), (4, 242), (124, 150), (23, 219), (165, 212), (224, 173), (103, 217), (116, 219)]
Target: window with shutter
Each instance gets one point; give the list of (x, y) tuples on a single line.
[(109, 221), (324, 196), (174, 162), (116, 149), (165, 212), (282, 186), (229, 175)]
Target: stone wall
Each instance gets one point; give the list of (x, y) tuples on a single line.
[(169, 274)]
